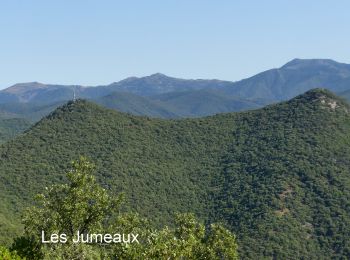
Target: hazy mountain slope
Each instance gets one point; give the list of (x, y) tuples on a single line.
[(294, 78), (36, 92), (7, 115), (278, 176), (144, 86), (30, 111), (136, 105), (11, 124), (159, 83), (199, 103), (11, 127), (169, 105), (34, 95), (345, 94), (44, 94)]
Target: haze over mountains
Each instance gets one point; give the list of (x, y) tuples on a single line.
[(278, 177), (161, 96), (294, 78)]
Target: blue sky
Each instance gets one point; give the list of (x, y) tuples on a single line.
[(98, 42)]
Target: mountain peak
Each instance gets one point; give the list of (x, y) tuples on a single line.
[(319, 92), (302, 63), (70, 106), (20, 87), (158, 76), (133, 79), (324, 97)]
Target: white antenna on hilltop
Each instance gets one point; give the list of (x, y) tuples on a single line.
[(74, 94)]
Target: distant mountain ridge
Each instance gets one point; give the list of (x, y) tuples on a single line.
[(204, 102), (294, 78), (145, 86), (162, 96), (158, 83)]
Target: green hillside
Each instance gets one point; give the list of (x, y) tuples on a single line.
[(197, 103), (277, 176), (136, 105)]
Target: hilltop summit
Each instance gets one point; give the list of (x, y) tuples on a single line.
[(307, 63)]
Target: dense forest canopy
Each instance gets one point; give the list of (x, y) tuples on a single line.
[(81, 220), (278, 177)]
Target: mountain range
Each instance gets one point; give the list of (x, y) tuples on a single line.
[(294, 78), (278, 176), (158, 95)]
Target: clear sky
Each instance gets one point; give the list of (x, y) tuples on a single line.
[(98, 42)]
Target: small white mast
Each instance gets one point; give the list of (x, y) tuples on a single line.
[(74, 94)]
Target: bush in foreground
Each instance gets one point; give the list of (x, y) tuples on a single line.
[(83, 205)]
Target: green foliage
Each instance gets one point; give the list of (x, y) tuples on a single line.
[(6, 254), (277, 177), (188, 240), (80, 205), (136, 105), (83, 205)]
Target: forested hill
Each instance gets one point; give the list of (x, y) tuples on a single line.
[(278, 176)]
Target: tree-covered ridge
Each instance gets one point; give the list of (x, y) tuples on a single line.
[(277, 176), (293, 183), (136, 105)]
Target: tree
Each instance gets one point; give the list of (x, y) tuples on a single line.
[(83, 205), (6, 254), (188, 240)]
